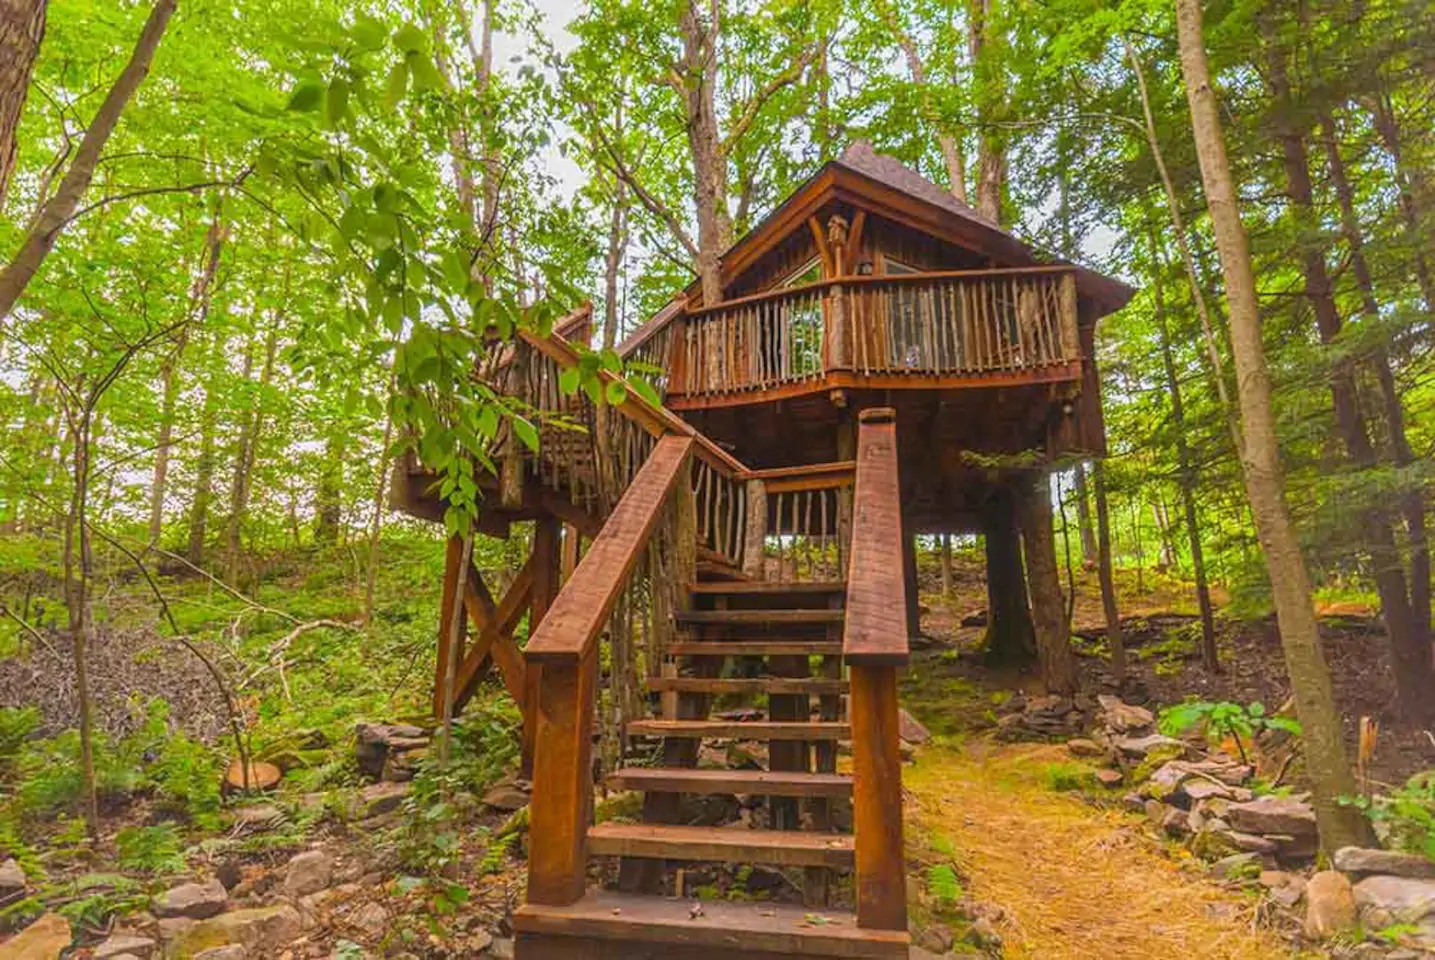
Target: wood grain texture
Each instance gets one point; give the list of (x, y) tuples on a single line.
[(784, 848), (757, 648), (759, 617), (877, 589), (777, 686), (772, 783), (580, 612), (742, 730), (881, 887)]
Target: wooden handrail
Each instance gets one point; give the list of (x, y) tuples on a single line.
[(576, 618), (808, 476), (876, 630), (860, 279)]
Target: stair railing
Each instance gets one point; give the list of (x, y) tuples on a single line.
[(874, 645), (801, 522), (565, 646)]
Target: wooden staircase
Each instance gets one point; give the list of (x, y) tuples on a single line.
[(812, 667)]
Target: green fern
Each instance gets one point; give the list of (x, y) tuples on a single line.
[(943, 884), (496, 855)]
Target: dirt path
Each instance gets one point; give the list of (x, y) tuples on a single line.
[(1075, 881)]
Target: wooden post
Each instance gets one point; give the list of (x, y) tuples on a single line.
[(545, 589), (562, 806), (453, 559), (909, 574), (1071, 346), (755, 536), (881, 887), (846, 450), (569, 556)]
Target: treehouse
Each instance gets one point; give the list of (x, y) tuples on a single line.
[(738, 564)]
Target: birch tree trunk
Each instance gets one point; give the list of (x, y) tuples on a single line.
[(22, 28), (57, 211), (1326, 756)]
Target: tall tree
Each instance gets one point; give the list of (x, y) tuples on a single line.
[(22, 28)]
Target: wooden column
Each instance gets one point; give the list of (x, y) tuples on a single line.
[(546, 532), (909, 574), (846, 450), (453, 559), (569, 555), (881, 887), (562, 806), (755, 536)]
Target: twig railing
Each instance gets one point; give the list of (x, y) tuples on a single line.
[(948, 323), (802, 519), (875, 647)]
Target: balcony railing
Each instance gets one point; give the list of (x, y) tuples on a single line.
[(959, 323)]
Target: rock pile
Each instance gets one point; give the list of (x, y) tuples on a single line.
[(389, 751), (1392, 889), (1044, 717)]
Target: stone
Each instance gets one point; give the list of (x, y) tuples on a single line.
[(1393, 862), (375, 743), (910, 729), (380, 798), (193, 901), (1109, 778), (1385, 901), (1083, 747), (1176, 823), (1329, 905), (501, 949), (122, 944), (937, 938), (1123, 717), (508, 795), (983, 933), (172, 928), (1251, 843), (1283, 815), (41, 940), (1166, 779), (1198, 789), (1134, 802), (12, 877), (261, 931), (1236, 866), (479, 941), (308, 873), (230, 951), (372, 919), (1137, 748)]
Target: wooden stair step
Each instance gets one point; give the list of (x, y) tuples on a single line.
[(749, 617), (741, 730), (605, 924), (781, 848), (781, 686), (774, 783), (817, 588), (756, 648)]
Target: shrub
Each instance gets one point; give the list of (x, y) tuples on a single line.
[(1405, 817), (1222, 720), (156, 850)]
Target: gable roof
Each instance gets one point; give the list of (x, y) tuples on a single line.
[(889, 188)]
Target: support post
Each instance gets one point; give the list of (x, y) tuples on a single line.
[(546, 533), (755, 536), (453, 559), (562, 810), (881, 887)]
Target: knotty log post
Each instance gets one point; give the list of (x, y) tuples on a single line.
[(1071, 343), (755, 536), (875, 645)]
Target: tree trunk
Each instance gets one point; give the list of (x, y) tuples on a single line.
[(613, 265), (380, 490), (1186, 477), (77, 601), (169, 377), (946, 560), (22, 28), (946, 137), (1089, 549), (1114, 637), (1326, 757), (1410, 650), (1011, 637), (1408, 181), (246, 452), (328, 512), (204, 464), (1048, 610), (58, 210), (1400, 451), (700, 41), (991, 149)]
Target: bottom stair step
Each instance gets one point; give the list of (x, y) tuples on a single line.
[(775, 783), (782, 848), (608, 926)]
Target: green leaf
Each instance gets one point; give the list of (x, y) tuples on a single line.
[(306, 97), (410, 39), (615, 392), (368, 32), (397, 84), (569, 379), (336, 104), (425, 74), (525, 432)]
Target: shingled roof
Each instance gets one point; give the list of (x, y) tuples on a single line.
[(861, 158)]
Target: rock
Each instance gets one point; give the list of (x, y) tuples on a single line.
[(372, 919), (1165, 780), (376, 743), (1386, 901), (380, 798), (261, 931), (1251, 843), (508, 795), (479, 941), (193, 901), (122, 944), (1285, 888), (1236, 866), (41, 940), (1329, 905), (12, 878), (1176, 823), (1282, 815), (910, 729), (983, 933), (1137, 748), (1134, 802), (501, 949), (1109, 778), (402, 767), (1123, 717), (1082, 747), (937, 938), (172, 928), (1361, 860), (230, 951), (1198, 790), (308, 873)]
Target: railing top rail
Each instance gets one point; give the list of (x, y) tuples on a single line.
[(894, 278), (658, 421), (808, 476), (876, 623), (577, 617)]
